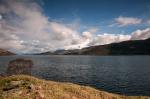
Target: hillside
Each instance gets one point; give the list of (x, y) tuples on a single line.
[(133, 47), (27, 87), (5, 52)]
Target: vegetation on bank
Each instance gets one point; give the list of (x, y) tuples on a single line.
[(27, 87)]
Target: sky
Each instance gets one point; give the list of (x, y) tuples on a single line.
[(35, 26)]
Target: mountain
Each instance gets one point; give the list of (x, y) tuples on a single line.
[(132, 47), (66, 52), (5, 52), (45, 53)]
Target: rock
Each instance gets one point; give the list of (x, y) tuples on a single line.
[(41, 95), (12, 85), (20, 66), (20, 92), (9, 87), (16, 83), (32, 87)]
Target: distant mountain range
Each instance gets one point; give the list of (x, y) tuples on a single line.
[(5, 52), (132, 47)]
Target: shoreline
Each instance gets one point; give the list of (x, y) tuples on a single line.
[(23, 86)]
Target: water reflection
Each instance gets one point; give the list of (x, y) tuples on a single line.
[(19, 66)]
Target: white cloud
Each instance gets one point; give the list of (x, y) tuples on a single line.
[(29, 24), (24, 28), (107, 38), (8, 37), (125, 21), (1, 17), (88, 39), (148, 22), (141, 34), (87, 35)]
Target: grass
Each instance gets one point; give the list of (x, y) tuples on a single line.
[(27, 87)]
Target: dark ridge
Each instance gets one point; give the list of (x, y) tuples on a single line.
[(132, 47)]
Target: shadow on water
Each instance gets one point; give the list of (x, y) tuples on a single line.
[(19, 66)]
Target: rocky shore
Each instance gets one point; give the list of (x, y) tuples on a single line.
[(28, 87)]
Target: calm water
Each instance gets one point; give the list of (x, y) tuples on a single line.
[(128, 75)]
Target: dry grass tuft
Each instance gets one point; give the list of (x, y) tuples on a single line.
[(27, 87)]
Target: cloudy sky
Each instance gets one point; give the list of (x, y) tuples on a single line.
[(33, 26)]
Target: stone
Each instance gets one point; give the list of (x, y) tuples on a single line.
[(12, 85), (16, 83)]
